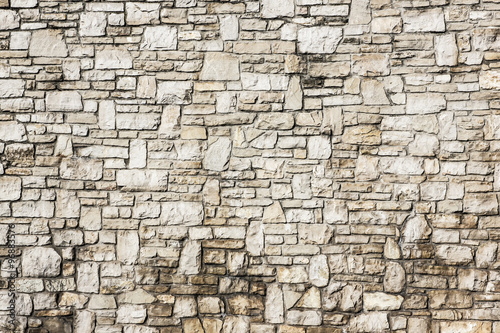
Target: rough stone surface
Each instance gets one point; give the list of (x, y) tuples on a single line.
[(272, 166)]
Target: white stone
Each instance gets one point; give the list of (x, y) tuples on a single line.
[(277, 8), (370, 322), (71, 69), (446, 50), (381, 301), (159, 38), (20, 40), (454, 254), (220, 67), (63, 101), (433, 191), (296, 274), (67, 204), (255, 238), (315, 233), (93, 24), (310, 300), (84, 322), (386, 25), (360, 12), (90, 218), (190, 260), (87, 277), (301, 186), (236, 324), (9, 19), (33, 209), (394, 278), (366, 168), (319, 147), (23, 3), (373, 92), (335, 211), (107, 115), (131, 314), (137, 180), (424, 145), (138, 296), (489, 79), (481, 204), (416, 229), (184, 213), (402, 165), (10, 188), (127, 247), (11, 88), (371, 64), (146, 87), (138, 154), (319, 272), (48, 43), (81, 169), (218, 154), (392, 249), (136, 121), (430, 20), (319, 39), (185, 306), (40, 262), (305, 318), (174, 92), (273, 310), (113, 58), (274, 214), (486, 254), (252, 81), (425, 103), (294, 95), (229, 27), (138, 13)]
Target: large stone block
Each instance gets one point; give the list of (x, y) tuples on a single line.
[(159, 38), (278, 8), (142, 180), (218, 154), (11, 88), (40, 262), (174, 92), (371, 64), (48, 43), (63, 101), (138, 13), (430, 20), (10, 188), (184, 213), (12, 131), (81, 169), (220, 67), (9, 19), (93, 24), (113, 58), (319, 39)]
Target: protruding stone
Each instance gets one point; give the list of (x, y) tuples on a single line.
[(12, 131), (218, 154), (274, 304), (185, 306), (454, 254), (90, 218), (11, 88), (297, 274), (366, 168), (48, 43), (335, 211), (107, 115), (146, 87), (9, 19), (481, 204), (373, 322), (220, 67), (173, 92), (319, 147), (93, 24), (137, 180), (84, 322), (392, 249), (159, 38), (274, 214), (311, 299), (424, 145), (87, 277), (190, 261), (371, 64), (486, 254), (67, 204), (319, 272), (236, 324), (255, 238), (322, 39), (63, 101), (315, 233), (40, 262), (489, 79), (446, 299)]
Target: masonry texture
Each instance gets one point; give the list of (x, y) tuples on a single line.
[(272, 166)]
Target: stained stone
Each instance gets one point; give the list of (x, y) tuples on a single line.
[(381, 301), (370, 64), (489, 79)]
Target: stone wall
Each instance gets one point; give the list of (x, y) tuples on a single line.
[(272, 166)]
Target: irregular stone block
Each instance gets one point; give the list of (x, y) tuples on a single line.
[(371, 64), (319, 39), (11, 88), (394, 278), (305, 318), (373, 92), (220, 67), (131, 314), (113, 58), (138, 13), (381, 301), (449, 299), (63, 101), (319, 272), (218, 154), (127, 247), (10, 188), (146, 87), (93, 24), (387, 25), (182, 213), (140, 180), (190, 260), (430, 20), (33, 209), (40, 262), (416, 229), (138, 121), (481, 204), (297, 274), (277, 8), (454, 254), (319, 147), (159, 38), (81, 168), (362, 135), (373, 322), (174, 92), (425, 103), (489, 79), (48, 43), (9, 19), (87, 276), (446, 50)]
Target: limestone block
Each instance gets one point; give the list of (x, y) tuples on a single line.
[(425, 103), (131, 314), (190, 260), (174, 92), (40, 262), (146, 87), (9, 19), (319, 147), (220, 67), (84, 322), (135, 121), (63, 101), (454, 254), (469, 326), (274, 311), (218, 154), (113, 58), (446, 50), (81, 168), (11, 88), (93, 24), (416, 229), (362, 135), (297, 274), (375, 322), (182, 213), (430, 20), (229, 27), (387, 25), (319, 272), (394, 278), (370, 64), (137, 180), (277, 8), (138, 13), (319, 39), (481, 204), (489, 79), (10, 188), (159, 38), (33, 209), (48, 43), (381, 301), (87, 276), (107, 115)]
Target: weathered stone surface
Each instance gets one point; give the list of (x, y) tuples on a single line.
[(63, 101), (446, 50), (318, 39), (386, 25), (218, 154), (40, 262), (446, 299), (373, 92), (127, 247), (454, 254), (362, 135), (93, 24), (131, 314), (274, 311), (159, 38), (275, 121), (305, 318), (12, 131), (394, 278), (10, 188), (9, 19), (369, 322), (190, 261), (11, 88), (425, 103), (482, 204), (172, 92), (294, 94), (220, 67), (182, 213), (48, 43), (81, 168), (292, 275), (87, 277), (381, 301), (465, 326), (138, 13), (370, 64), (113, 58), (319, 273), (430, 20), (424, 145), (279, 8), (416, 229), (489, 79), (134, 180), (319, 147)]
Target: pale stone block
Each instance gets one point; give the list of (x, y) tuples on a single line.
[(11, 88), (454, 254), (305, 318), (371, 64), (140, 180), (93, 24), (360, 12), (277, 8), (369, 322), (107, 115), (159, 38), (489, 79), (23, 3), (182, 213), (185, 3), (274, 304), (113, 58), (146, 87), (446, 50), (373, 92), (138, 13), (319, 39), (127, 247), (81, 169), (63, 101), (67, 204), (430, 20), (395, 277), (387, 25), (71, 69), (220, 67), (138, 154), (131, 314), (229, 27), (40, 262), (416, 229), (190, 260), (48, 43), (319, 272), (84, 322), (174, 92), (90, 218), (218, 155), (87, 276), (138, 121), (381, 301), (9, 19), (33, 209), (20, 40)]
